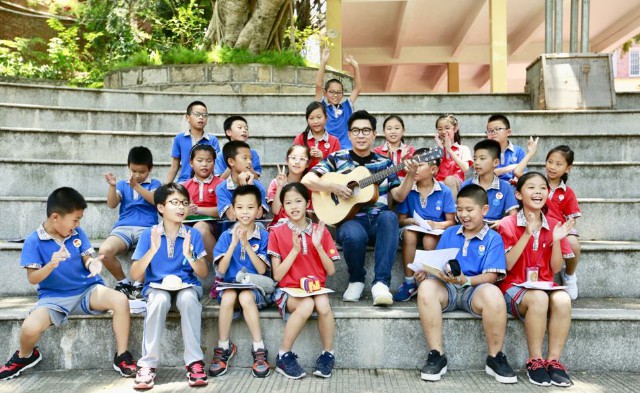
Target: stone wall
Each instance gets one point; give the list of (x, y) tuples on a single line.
[(221, 78)]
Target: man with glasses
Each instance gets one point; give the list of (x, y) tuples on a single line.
[(363, 229)]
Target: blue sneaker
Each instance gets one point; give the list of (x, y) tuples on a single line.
[(288, 366), (406, 291), (324, 365)]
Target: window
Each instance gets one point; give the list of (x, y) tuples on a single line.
[(634, 62)]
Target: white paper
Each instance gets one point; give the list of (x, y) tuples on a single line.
[(423, 226), (299, 292), (432, 261), (137, 306), (543, 285), (235, 285)]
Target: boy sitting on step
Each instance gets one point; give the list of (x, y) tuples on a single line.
[(237, 129), (59, 259), (511, 155), (482, 262), (137, 212)]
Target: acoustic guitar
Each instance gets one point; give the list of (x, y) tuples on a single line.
[(333, 210)]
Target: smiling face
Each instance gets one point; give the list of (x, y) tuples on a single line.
[(246, 208), (297, 160), (497, 131), (139, 171), (362, 143), (483, 163), (471, 214), (241, 161), (295, 206), (175, 208), (239, 131), (393, 132), (556, 166), (534, 193), (197, 119), (202, 164), (334, 93), (446, 129), (65, 224), (316, 121)]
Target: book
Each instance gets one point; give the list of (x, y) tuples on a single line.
[(433, 261), (235, 285), (422, 226), (542, 285), (299, 292), (197, 218)]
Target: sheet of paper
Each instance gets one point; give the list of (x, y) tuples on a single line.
[(137, 306), (542, 285), (421, 222), (235, 285), (432, 261), (421, 229), (299, 292)]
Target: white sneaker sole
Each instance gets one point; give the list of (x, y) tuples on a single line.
[(38, 360), (290, 376), (383, 300), (350, 299), (500, 378), (433, 377), (321, 375), (121, 373), (538, 383)]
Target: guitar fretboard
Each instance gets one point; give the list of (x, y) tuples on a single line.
[(376, 177)]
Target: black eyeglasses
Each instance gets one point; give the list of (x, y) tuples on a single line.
[(363, 131), (495, 130), (177, 202), (200, 115)]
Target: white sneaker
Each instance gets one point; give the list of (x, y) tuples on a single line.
[(353, 292), (572, 284), (381, 294)]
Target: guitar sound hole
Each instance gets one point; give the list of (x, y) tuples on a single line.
[(355, 187)]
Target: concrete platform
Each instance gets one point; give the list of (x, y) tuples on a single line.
[(366, 337), (239, 380)]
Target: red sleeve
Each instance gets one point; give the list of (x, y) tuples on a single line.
[(272, 246), (329, 245), (334, 144), (507, 229), (271, 192), (378, 150), (298, 140), (571, 208), (567, 251)]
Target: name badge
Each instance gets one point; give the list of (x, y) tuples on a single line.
[(532, 274)]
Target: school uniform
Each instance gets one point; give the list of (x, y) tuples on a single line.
[(135, 213), (220, 165), (203, 193), (513, 154), (433, 207), (337, 120), (500, 195), (327, 145), (224, 192), (448, 166), (181, 149)]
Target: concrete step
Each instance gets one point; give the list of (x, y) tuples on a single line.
[(366, 337), (98, 146), (261, 123), (607, 269), (592, 179), (240, 380), (601, 217)]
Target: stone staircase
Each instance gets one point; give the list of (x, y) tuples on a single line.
[(54, 136)]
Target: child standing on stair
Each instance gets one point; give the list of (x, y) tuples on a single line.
[(315, 136), (331, 94), (535, 245), (58, 257), (300, 249), (457, 157)]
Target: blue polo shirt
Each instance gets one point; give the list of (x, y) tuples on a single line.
[(484, 253), (337, 121), (134, 209), (258, 241), (181, 149), (501, 197), (70, 277), (435, 207), (224, 191), (220, 166), (169, 259), (513, 154)]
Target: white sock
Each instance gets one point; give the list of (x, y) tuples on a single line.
[(331, 352), (223, 344), (258, 345), (125, 281), (137, 284), (409, 279), (281, 353)]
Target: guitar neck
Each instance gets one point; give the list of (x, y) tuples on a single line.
[(367, 181)]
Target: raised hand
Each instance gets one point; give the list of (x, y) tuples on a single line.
[(562, 230), (316, 235), (156, 238), (110, 178), (281, 179), (61, 255), (296, 241), (325, 55), (95, 266), (532, 145), (438, 140), (133, 181), (411, 167), (193, 209), (187, 247), (315, 152), (241, 235), (351, 60), (531, 226)]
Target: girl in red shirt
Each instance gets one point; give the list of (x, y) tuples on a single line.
[(394, 147), (535, 245), (457, 157), (315, 136), (298, 157), (300, 248)]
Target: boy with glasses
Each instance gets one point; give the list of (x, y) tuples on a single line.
[(499, 129), (356, 233), (196, 116)]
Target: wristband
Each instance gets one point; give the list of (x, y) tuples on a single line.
[(86, 266)]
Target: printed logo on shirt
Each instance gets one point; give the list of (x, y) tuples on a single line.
[(561, 198), (332, 251), (496, 202), (499, 195), (514, 159), (481, 250), (211, 190), (255, 247), (77, 243)]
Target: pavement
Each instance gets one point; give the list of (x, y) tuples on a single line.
[(343, 381)]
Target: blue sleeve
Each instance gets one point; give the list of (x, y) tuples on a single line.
[(325, 166), (85, 247), (520, 153), (175, 150), (224, 197), (213, 141), (404, 207), (219, 166), (198, 245), (30, 254), (264, 243), (222, 245), (495, 260), (510, 201), (448, 202), (444, 241), (265, 205), (121, 189), (255, 162), (144, 243), (465, 183), (155, 184)]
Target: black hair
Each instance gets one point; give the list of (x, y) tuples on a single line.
[(230, 150), (423, 150), (491, 146), (65, 200), (247, 189), (330, 81), (162, 193), (202, 147), (362, 115), (475, 193), (310, 108), (499, 117), (140, 155), (394, 117), (297, 187), (523, 179), (194, 103), (454, 121), (568, 155), (228, 122)]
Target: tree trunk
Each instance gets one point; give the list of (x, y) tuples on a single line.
[(256, 32), (233, 16)]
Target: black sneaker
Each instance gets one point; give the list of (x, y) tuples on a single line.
[(221, 358), (537, 372), (558, 373), (124, 288), (124, 364), (288, 366), (499, 368), (136, 292), (260, 368), (16, 364), (435, 367), (324, 365)]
